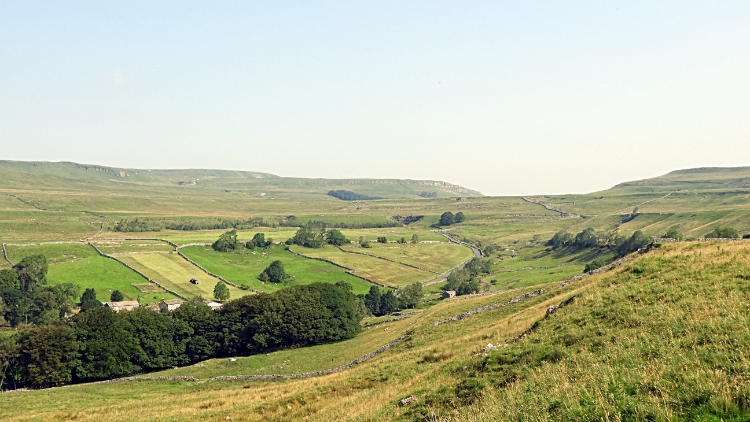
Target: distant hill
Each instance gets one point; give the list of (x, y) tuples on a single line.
[(74, 177), (703, 178)]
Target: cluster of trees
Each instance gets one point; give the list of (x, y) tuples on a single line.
[(155, 225), (590, 238), (293, 221), (467, 280), (723, 233), (25, 298), (310, 237), (378, 303), (228, 242), (424, 194), (101, 344), (347, 195), (274, 273), (448, 218), (673, 234)]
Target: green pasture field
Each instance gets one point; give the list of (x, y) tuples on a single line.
[(437, 257), (19, 226), (127, 246), (174, 273), (80, 264), (378, 270), (245, 266), (542, 256), (526, 278)]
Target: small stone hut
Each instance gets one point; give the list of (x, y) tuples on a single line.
[(448, 294), (127, 305), (170, 304)]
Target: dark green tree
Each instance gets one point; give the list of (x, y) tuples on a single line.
[(411, 295), (446, 219), (259, 241), (309, 237), (107, 346), (335, 237), (89, 300), (372, 300), (636, 241), (161, 339), (8, 279), (593, 265), (561, 239), (459, 218), (32, 272), (226, 242), (388, 303), (586, 239), (49, 353), (206, 332), (221, 291), (673, 234), (116, 296), (723, 233), (414, 238), (382, 239), (274, 273)]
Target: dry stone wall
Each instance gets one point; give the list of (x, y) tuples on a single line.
[(489, 307), (594, 272), (312, 374), (386, 259), (349, 271), (135, 271)]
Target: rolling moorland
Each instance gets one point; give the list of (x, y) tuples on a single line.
[(660, 335)]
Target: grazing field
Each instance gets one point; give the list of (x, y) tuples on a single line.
[(526, 278), (132, 246), (437, 257), (244, 268), (375, 269), (174, 273), (27, 225), (81, 265)]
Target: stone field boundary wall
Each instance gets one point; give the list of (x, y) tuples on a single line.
[(135, 271), (101, 227), (349, 271), (386, 259), (312, 374), (489, 307)]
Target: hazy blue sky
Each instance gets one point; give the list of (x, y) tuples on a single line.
[(502, 97)]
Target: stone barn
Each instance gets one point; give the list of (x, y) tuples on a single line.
[(126, 305), (449, 294), (170, 304)]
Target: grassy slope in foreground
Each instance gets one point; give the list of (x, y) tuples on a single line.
[(244, 268), (665, 338)]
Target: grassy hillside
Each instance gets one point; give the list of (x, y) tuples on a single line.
[(722, 178), (72, 176), (660, 338)]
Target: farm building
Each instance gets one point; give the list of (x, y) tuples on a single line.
[(448, 294), (127, 305), (170, 304), (213, 305)]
